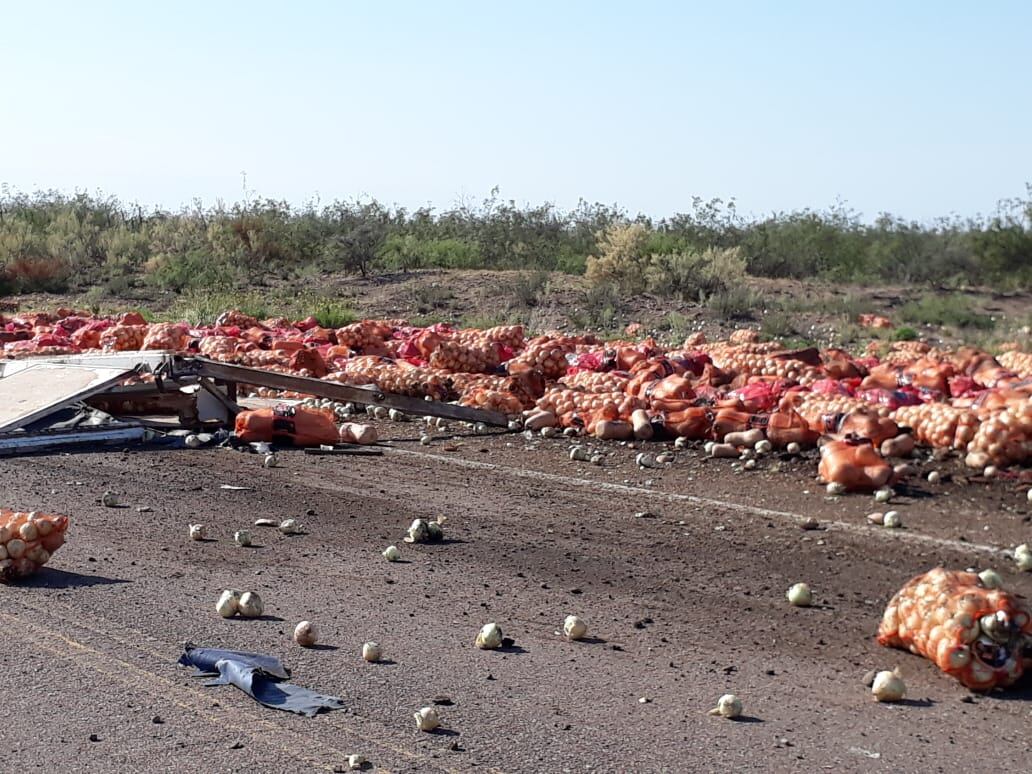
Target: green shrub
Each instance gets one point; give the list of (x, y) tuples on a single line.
[(954, 310), (736, 303), (904, 333)]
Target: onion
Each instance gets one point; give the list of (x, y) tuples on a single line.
[(197, 532), (242, 537), (356, 761), (1022, 555), (250, 605), (934, 477), (28, 532), (883, 495), (371, 652), (305, 634), (728, 706), (763, 447), (800, 595), (489, 637), (427, 719), (290, 527), (991, 579), (892, 520), (228, 604), (109, 500), (270, 460), (835, 488), (888, 686), (574, 628), (391, 554), (793, 448), (424, 440)]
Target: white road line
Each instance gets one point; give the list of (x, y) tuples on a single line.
[(905, 536)]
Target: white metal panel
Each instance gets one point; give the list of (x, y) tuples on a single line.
[(42, 388)]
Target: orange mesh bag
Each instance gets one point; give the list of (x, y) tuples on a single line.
[(170, 336), (854, 464), (27, 541), (981, 636), (294, 425), (123, 338)]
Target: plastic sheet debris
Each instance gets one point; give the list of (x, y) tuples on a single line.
[(259, 676)]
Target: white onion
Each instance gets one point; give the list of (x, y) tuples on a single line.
[(228, 604), (427, 719), (371, 652), (290, 527), (15, 548), (197, 532), (892, 520), (28, 532), (391, 554), (356, 761), (489, 637), (883, 495), (242, 537), (991, 579), (934, 477), (109, 500), (270, 460), (888, 686), (250, 605), (835, 488), (800, 595), (574, 628), (305, 634), (728, 706), (793, 448), (1022, 555)]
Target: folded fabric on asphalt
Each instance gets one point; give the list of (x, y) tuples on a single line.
[(259, 676)]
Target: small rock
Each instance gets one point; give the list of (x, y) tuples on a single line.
[(810, 523)]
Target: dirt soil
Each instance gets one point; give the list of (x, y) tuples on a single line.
[(684, 604)]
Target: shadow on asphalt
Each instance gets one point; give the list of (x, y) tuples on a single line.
[(49, 578)]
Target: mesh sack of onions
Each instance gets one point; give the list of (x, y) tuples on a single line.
[(548, 355), (27, 541), (170, 336), (1018, 362), (509, 335), (596, 381), (939, 425), (237, 318), (574, 407), (466, 356), (978, 635), (364, 334), (211, 346), (493, 400), (123, 338), (1003, 438)]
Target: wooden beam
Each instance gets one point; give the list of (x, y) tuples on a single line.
[(333, 390)]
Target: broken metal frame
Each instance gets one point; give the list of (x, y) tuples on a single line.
[(236, 374)]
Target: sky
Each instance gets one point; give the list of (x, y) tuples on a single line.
[(921, 109)]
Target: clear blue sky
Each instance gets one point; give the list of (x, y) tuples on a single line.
[(918, 108)]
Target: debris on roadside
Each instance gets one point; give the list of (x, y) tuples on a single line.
[(260, 677)]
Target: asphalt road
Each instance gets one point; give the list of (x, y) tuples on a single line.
[(683, 605)]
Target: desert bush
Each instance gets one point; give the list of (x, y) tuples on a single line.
[(953, 310), (736, 303)]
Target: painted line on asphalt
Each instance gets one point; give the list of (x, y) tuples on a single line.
[(905, 536)]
